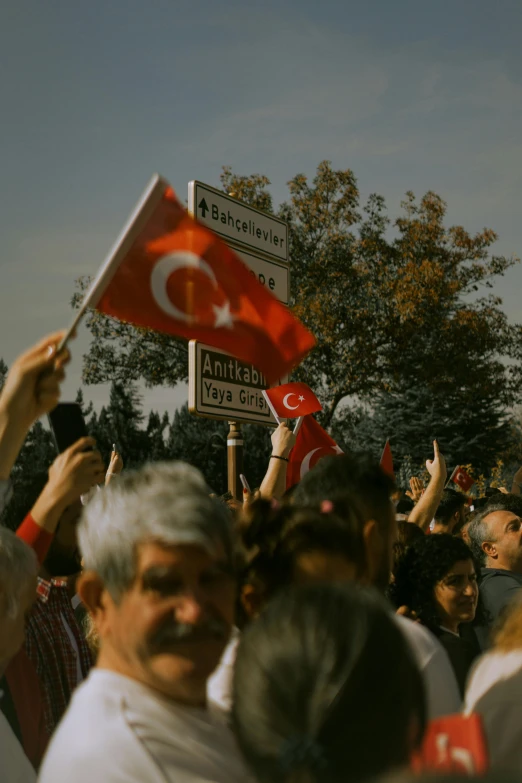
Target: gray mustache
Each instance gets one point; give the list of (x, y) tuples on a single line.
[(183, 632)]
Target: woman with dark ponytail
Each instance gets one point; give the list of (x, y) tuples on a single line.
[(315, 704)]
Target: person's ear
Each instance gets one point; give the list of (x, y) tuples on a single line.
[(251, 601), (373, 548), (96, 599), (490, 549)]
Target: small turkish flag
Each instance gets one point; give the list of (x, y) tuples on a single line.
[(172, 274), (462, 479), (455, 744), (387, 460), (312, 444), (292, 400)]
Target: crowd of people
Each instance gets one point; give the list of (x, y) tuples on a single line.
[(151, 631)]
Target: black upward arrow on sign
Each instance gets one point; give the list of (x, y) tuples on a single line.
[(203, 207)]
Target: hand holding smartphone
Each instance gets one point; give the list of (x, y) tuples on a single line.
[(67, 425)]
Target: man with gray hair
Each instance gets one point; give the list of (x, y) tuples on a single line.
[(18, 569), (496, 540), (158, 582)]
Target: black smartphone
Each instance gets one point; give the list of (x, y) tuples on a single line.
[(67, 424)]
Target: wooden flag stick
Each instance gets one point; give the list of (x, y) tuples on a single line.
[(141, 213)]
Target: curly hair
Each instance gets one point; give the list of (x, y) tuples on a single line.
[(423, 565)]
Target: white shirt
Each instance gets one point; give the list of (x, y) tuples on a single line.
[(219, 686), (495, 692), (117, 730), (15, 767), (442, 692)]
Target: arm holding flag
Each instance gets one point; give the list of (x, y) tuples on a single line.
[(274, 482), (32, 388), (427, 506)]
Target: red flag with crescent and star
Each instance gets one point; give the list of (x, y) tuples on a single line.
[(172, 274), (312, 444), (291, 400), (462, 479)]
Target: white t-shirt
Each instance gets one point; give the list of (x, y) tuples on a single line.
[(495, 692), (117, 730), (15, 767), (442, 693), (219, 686)]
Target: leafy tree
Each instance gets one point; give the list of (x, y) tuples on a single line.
[(202, 443), (29, 474), (413, 416), (120, 423), (391, 304), (156, 427), (3, 372)]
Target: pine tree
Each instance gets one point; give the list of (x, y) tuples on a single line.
[(155, 436)]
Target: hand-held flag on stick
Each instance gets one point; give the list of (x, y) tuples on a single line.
[(170, 273), (462, 479), (312, 444), (291, 400), (387, 460)]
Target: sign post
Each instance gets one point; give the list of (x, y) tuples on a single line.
[(220, 386), (235, 459)]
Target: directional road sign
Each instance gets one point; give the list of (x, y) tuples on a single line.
[(221, 387), (238, 223)]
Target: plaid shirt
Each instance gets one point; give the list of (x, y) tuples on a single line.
[(49, 647)]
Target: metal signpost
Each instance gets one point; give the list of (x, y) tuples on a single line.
[(220, 386)]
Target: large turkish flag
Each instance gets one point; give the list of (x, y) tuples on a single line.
[(176, 276), (312, 444)]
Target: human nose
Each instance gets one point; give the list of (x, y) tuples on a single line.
[(470, 588), (190, 608)]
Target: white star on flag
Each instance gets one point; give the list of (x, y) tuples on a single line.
[(224, 317)]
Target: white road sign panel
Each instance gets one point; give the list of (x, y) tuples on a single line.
[(269, 273), (222, 387), (238, 223)]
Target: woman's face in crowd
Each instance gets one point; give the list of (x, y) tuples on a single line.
[(456, 595)]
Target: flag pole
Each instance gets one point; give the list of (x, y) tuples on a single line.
[(298, 424), (269, 403), (139, 216), (451, 477)]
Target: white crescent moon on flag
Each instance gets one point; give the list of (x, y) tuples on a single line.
[(285, 402), (161, 273), (305, 464)]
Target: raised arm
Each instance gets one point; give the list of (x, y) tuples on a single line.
[(425, 509), (274, 482)]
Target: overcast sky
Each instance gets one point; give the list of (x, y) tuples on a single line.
[(96, 96)]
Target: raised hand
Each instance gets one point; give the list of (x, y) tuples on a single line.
[(416, 489), (436, 467)]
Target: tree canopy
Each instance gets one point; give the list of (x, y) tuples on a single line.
[(395, 305)]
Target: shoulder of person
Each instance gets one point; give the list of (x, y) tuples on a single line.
[(500, 576), (93, 730)]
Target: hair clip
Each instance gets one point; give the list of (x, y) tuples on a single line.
[(275, 505), (326, 507)]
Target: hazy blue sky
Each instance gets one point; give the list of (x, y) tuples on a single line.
[(96, 96)]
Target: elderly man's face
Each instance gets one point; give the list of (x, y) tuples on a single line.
[(12, 628), (170, 628)]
